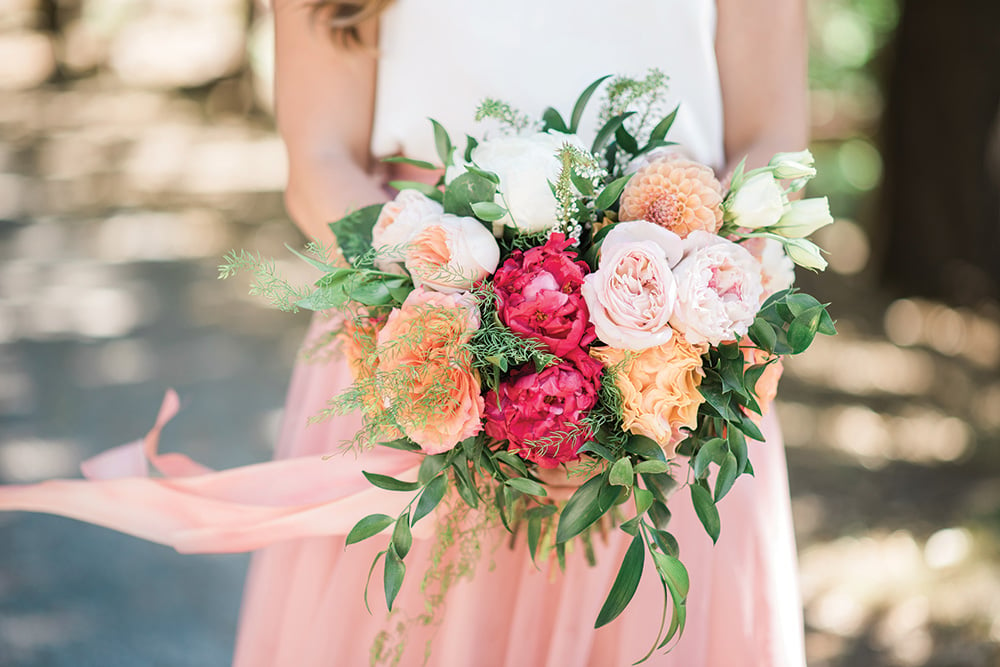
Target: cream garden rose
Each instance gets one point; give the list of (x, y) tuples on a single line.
[(718, 289), (525, 166), (451, 253), (632, 294), (400, 219)]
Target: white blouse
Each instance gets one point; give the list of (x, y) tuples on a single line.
[(440, 58)]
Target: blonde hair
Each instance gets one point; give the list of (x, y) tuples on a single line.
[(343, 17)]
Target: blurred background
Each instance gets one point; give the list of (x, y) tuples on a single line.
[(137, 146)]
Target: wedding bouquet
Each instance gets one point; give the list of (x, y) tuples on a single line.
[(603, 305)]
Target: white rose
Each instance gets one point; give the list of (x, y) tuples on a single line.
[(758, 202), (718, 289), (793, 165), (631, 296), (525, 166), (804, 217), (399, 220), (451, 253), (777, 269)]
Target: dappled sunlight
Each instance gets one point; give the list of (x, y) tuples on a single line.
[(950, 331)]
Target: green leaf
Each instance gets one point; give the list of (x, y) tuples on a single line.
[(716, 400), (470, 145), (665, 541), (354, 231), (803, 328), (660, 131), (423, 188), (621, 473), (368, 581), (762, 334), (660, 515), (466, 489), (625, 584), (652, 466), (442, 142), (373, 524), (513, 460), (645, 447), (605, 133), (402, 538), (399, 159), (430, 467), (632, 525), (597, 448), (588, 504), (392, 577), (390, 483), (525, 485), (465, 190), (610, 194), (728, 472), (626, 141), (488, 211), (661, 484), (827, 327), (749, 428), (643, 500), (430, 497), (673, 572), (738, 446), (322, 266), (706, 510), (534, 533), (553, 121), (581, 104), (709, 452), (404, 444)]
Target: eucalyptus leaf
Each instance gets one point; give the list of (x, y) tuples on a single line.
[(728, 472), (430, 497), (402, 538), (626, 583), (389, 483), (706, 510), (373, 524), (392, 578)]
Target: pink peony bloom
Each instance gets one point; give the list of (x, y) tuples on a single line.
[(437, 398), (540, 414), (451, 253), (538, 296), (718, 289), (631, 296)]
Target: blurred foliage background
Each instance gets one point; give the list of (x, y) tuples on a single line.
[(137, 145)]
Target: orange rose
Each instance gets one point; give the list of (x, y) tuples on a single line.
[(659, 387), (357, 342), (433, 391)]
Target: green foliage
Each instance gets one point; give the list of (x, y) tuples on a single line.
[(267, 282), (503, 113)]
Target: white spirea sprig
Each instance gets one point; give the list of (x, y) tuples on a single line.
[(577, 161)]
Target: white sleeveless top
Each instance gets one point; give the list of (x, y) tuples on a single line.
[(440, 58)]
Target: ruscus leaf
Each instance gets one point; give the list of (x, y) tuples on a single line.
[(390, 483), (706, 510), (373, 524), (392, 577), (625, 583)]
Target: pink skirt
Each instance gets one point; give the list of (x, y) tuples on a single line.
[(303, 604)]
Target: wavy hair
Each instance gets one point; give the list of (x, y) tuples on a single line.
[(343, 17)]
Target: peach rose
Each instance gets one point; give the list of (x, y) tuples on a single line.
[(631, 296), (358, 345), (451, 253), (659, 388), (436, 394)]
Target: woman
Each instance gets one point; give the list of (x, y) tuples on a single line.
[(738, 71), (338, 104)]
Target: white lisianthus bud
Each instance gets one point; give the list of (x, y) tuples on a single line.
[(793, 165), (758, 202), (805, 253), (803, 218)]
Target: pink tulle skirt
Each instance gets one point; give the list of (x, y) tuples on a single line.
[(303, 603)]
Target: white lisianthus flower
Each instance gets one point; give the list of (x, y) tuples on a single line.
[(803, 218), (758, 202), (718, 289), (451, 253), (805, 253), (525, 166), (399, 220), (793, 165)]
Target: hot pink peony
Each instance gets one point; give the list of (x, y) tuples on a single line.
[(538, 296), (540, 414)]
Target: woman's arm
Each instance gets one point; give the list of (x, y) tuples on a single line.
[(761, 50), (324, 99)]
